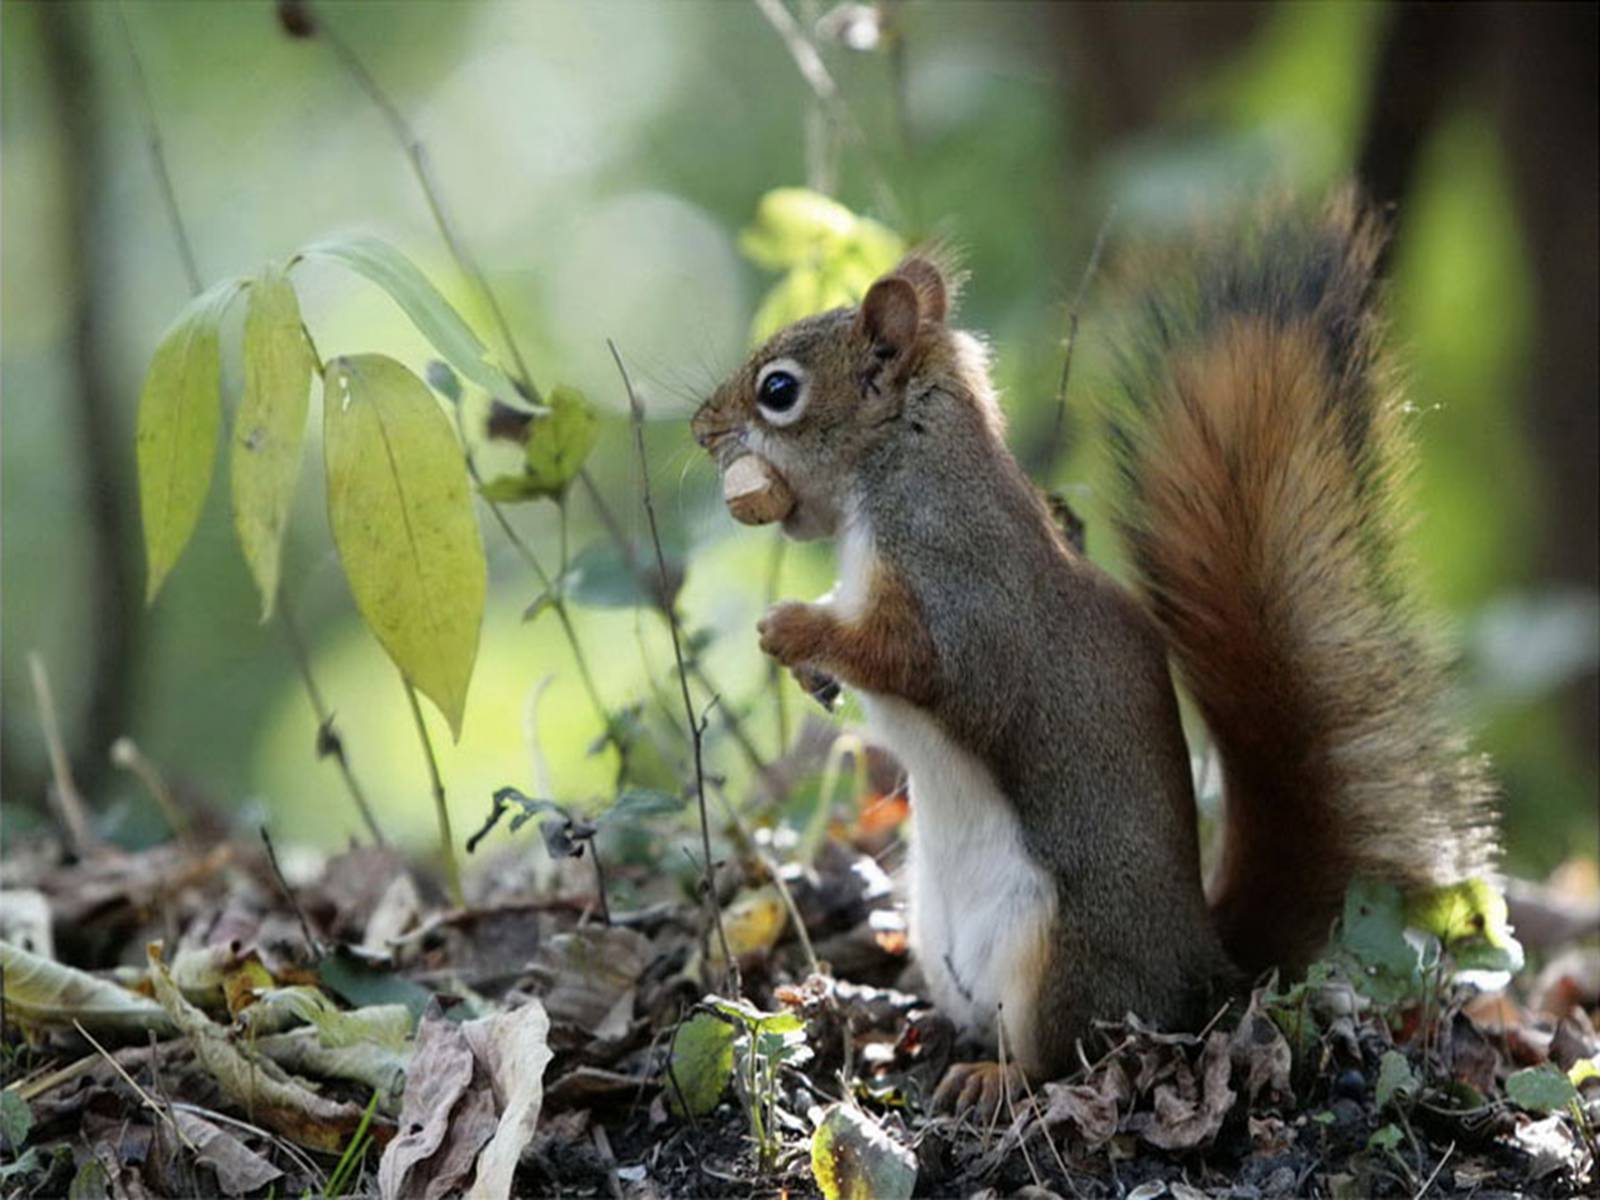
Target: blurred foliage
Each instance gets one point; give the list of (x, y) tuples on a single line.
[(601, 160)]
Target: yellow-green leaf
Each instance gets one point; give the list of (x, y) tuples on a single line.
[(429, 311), (701, 1064), (270, 427), (558, 443), (401, 511), (852, 1158), (175, 441), (830, 255)]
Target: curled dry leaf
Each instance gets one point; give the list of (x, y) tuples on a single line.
[(1190, 1106), (1094, 1108), (257, 1085), (240, 1170), (47, 994), (1261, 1053), (513, 1047), (418, 1161)]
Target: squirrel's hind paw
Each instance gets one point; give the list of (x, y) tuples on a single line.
[(980, 1090)]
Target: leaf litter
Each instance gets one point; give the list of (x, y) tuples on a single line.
[(366, 1039)]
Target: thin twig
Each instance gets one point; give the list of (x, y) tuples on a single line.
[(447, 844), (1428, 1183), (125, 753), (1072, 331), (808, 61), (696, 725), (328, 741), (69, 801), (417, 154), (158, 158), (143, 1095), (288, 894), (780, 695)]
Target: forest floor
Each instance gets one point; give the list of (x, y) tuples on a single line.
[(205, 1018)]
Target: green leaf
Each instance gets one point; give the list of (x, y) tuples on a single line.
[(558, 444), (830, 255), (702, 1064), (400, 506), (1388, 1138), (16, 1119), (1472, 920), (1542, 1089), (1395, 1078), (362, 985), (753, 1018), (270, 427), (638, 804), (429, 311), (602, 577), (175, 440), (852, 1158), (1386, 965)]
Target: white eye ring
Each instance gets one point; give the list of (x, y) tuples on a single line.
[(797, 405)]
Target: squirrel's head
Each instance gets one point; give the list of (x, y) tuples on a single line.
[(825, 390)]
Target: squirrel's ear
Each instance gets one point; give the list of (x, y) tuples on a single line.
[(933, 297), (890, 314)]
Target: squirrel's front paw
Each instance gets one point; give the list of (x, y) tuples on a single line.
[(792, 632)]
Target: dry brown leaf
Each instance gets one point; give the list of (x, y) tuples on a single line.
[(439, 1075), (240, 1170), (591, 974), (1260, 1052), (512, 1047), (1190, 1108), (257, 1085)]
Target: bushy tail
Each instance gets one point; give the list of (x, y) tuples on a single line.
[(1262, 447)]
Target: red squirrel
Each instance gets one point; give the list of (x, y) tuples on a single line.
[(1054, 865)]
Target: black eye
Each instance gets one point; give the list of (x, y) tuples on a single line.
[(779, 391)]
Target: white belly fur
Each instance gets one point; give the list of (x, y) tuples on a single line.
[(980, 909)]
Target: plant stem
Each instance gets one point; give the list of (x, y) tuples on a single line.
[(328, 741), (808, 61), (696, 725), (1059, 429), (452, 869), (416, 153), (780, 696), (73, 814)]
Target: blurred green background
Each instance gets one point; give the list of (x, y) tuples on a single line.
[(600, 160)]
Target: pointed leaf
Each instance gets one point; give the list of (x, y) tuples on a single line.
[(401, 512), (429, 311), (270, 427), (50, 995), (175, 442)]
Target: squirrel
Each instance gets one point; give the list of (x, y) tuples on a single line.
[(1054, 860)]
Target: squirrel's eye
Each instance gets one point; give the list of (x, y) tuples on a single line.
[(780, 391)]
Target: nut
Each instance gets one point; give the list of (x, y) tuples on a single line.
[(754, 491)]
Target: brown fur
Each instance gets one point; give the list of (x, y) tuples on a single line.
[(1260, 451), (885, 649), (1264, 470)]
